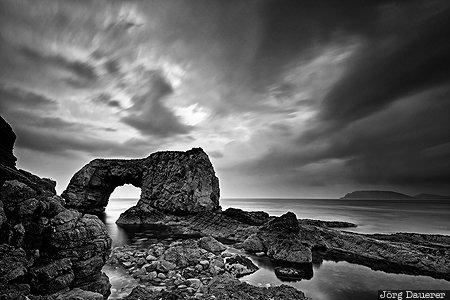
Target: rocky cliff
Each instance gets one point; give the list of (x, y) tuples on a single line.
[(171, 182), (8, 138), (45, 248)]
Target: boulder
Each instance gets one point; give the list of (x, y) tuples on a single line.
[(304, 271), (171, 181), (140, 215), (186, 254), (211, 244), (239, 265), (280, 239)]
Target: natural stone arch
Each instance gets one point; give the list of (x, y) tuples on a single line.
[(171, 181)]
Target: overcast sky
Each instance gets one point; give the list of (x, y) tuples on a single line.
[(288, 98)]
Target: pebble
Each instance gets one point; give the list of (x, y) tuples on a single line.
[(150, 258), (204, 262)]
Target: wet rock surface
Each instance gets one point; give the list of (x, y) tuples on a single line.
[(171, 182)]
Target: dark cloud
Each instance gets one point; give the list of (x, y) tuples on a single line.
[(83, 72), (14, 98), (407, 145), (388, 68), (366, 81), (149, 115), (56, 136), (68, 143)]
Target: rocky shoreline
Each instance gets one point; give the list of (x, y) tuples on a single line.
[(51, 248)]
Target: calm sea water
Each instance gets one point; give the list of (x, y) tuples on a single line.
[(331, 280)]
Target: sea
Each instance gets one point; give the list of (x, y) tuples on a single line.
[(331, 280)]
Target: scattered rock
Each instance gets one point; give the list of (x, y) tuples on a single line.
[(226, 287)]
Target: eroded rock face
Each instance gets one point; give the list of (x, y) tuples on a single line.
[(64, 248), (46, 249), (172, 181)]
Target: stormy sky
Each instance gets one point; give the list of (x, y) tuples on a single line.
[(288, 98)]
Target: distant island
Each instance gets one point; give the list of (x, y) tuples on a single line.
[(376, 195), (390, 195)]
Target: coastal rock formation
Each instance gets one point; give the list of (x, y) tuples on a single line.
[(376, 195), (46, 249), (8, 138), (280, 240), (173, 182)]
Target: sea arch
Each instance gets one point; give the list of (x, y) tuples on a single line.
[(170, 181)]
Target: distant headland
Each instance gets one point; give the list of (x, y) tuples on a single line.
[(389, 195)]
